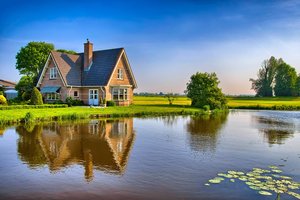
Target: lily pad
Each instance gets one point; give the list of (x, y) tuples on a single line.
[(276, 170), (265, 193), (273, 167), (216, 180)]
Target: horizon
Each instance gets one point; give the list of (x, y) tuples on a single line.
[(166, 42)]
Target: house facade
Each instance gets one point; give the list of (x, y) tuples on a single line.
[(90, 76)]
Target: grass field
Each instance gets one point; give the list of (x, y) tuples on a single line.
[(143, 106), (233, 102), (49, 114)]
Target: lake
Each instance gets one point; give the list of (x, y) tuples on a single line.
[(147, 158)]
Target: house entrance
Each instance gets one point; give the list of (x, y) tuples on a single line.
[(93, 97)]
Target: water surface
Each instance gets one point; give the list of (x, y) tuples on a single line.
[(147, 158)]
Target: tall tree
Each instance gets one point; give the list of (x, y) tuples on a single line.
[(298, 85), (204, 91), (66, 51), (32, 58), (264, 84), (285, 80)]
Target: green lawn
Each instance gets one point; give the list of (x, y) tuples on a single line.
[(143, 106), (48, 114)]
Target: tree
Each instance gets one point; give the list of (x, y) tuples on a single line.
[(204, 91), (36, 97), (24, 87), (263, 85), (66, 51), (298, 85), (32, 58), (285, 80)]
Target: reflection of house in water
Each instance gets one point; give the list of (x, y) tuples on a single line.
[(204, 131), (275, 131), (103, 145)]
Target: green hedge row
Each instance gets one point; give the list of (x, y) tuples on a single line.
[(12, 107)]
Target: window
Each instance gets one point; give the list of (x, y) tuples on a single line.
[(120, 94), (52, 96), (76, 94), (120, 74), (53, 73)]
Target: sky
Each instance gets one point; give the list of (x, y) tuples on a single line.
[(166, 41)]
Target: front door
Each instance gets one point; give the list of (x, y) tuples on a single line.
[(93, 97)]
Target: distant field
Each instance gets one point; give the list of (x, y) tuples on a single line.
[(145, 100), (233, 102), (240, 102)]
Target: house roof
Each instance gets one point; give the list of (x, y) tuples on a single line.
[(99, 73), (102, 67), (6, 83)]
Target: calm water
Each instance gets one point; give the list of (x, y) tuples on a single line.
[(153, 158)]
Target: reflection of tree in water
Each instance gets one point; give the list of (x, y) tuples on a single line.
[(204, 131), (274, 131), (99, 144), (28, 146)]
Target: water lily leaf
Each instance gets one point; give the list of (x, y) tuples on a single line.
[(273, 167), (216, 180), (294, 194), (254, 187), (250, 183), (207, 184), (264, 192), (232, 180), (243, 179), (276, 170), (286, 177)]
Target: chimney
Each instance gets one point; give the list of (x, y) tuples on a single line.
[(88, 54)]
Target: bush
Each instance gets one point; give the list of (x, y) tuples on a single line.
[(74, 102), (110, 103), (36, 97), (3, 100), (29, 118), (203, 90), (25, 96), (206, 108)]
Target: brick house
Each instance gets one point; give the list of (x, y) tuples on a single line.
[(89, 76)]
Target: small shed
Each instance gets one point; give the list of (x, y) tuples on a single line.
[(10, 94)]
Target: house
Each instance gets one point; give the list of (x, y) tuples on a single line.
[(9, 89), (91, 76)]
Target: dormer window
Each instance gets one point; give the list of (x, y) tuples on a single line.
[(120, 74), (53, 73)]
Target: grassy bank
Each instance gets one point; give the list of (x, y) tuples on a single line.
[(258, 103), (72, 113)]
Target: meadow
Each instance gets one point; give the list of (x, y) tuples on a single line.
[(268, 103), (143, 106)]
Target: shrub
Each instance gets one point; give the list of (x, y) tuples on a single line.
[(110, 103), (203, 90), (206, 108), (36, 97), (29, 118), (3, 100), (73, 102)]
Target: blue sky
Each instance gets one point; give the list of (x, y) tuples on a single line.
[(166, 41)]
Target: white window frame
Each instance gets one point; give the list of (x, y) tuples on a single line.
[(120, 74), (53, 73), (52, 96), (120, 92)]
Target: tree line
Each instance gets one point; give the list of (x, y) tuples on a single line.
[(276, 78)]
